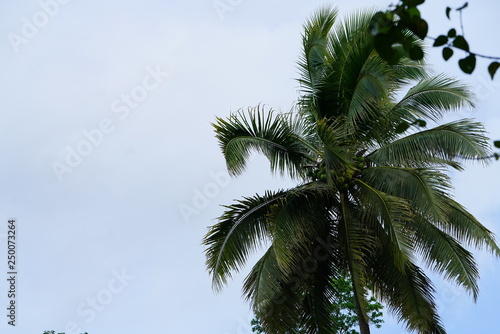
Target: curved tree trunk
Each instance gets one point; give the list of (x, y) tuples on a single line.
[(364, 328)]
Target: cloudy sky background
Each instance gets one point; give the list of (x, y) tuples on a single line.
[(112, 242)]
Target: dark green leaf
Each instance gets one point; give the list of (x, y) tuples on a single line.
[(414, 12), (448, 9), (416, 52), (497, 143), (497, 156), (380, 23), (421, 122), (468, 64), (383, 45), (413, 3), (419, 27), (440, 40), (447, 53), (464, 6), (493, 68), (402, 127), (452, 33), (460, 43)]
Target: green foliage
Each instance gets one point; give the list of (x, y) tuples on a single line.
[(372, 197), (343, 311), (398, 25)]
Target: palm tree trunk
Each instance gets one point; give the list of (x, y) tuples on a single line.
[(364, 328)]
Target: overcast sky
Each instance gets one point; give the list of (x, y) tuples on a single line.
[(110, 166)]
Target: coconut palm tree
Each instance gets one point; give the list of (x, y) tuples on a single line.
[(372, 197)]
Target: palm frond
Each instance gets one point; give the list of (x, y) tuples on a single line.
[(440, 146), (356, 244), (425, 189), (382, 212), (431, 98), (265, 133), (462, 225), (334, 138), (317, 305), (314, 41), (303, 213), (241, 229), (444, 255), (263, 280), (408, 294)]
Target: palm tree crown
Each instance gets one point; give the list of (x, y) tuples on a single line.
[(373, 197)]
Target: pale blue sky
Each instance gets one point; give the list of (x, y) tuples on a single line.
[(109, 236)]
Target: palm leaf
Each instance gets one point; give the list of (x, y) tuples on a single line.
[(408, 294), (461, 224), (425, 189), (432, 97), (263, 280), (440, 146), (444, 255), (267, 134), (241, 229), (303, 213), (312, 61), (382, 212)]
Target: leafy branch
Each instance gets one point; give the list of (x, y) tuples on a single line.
[(391, 28)]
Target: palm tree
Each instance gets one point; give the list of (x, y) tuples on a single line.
[(373, 197)]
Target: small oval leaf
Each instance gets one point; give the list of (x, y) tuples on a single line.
[(452, 33), (402, 127), (416, 53), (421, 28), (493, 68), (447, 53), (468, 64), (414, 12), (460, 43), (440, 40), (497, 143)]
